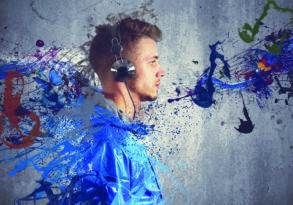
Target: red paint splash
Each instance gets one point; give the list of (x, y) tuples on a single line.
[(10, 107)]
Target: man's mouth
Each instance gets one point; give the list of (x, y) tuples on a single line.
[(158, 84)]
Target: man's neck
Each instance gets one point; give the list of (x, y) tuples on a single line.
[(124, 103)]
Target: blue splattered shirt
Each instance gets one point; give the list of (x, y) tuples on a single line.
[(126, 175), (91, 156)]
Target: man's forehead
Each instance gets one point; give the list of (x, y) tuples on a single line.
[(146, 48)]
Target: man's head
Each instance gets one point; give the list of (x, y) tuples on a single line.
[(138, 40)]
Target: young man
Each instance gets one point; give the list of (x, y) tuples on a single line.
[(138, 40), (125, 172)]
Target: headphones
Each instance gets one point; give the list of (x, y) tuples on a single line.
[(121, 68)]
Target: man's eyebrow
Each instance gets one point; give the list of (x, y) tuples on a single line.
[(152, 57)]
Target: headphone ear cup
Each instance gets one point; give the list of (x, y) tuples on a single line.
[(123, 69)]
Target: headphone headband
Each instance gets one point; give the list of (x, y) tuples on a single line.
[(116, 47)]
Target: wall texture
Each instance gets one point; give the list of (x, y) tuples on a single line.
[(207, 160)]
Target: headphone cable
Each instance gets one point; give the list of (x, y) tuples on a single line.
[(134, 113)]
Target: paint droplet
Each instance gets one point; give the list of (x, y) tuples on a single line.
[(40, 43), (272, 117), (291, 146), (177, 90), (222, 123), (279, 121)]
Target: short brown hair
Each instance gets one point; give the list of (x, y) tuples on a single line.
[(129, 30)]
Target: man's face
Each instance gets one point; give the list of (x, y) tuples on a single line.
[(144, 56)]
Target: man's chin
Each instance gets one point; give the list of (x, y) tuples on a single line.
[(149, 98)]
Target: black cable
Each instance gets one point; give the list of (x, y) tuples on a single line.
[(131, 100)]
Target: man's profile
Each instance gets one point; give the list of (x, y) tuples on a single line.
[(129, 177)]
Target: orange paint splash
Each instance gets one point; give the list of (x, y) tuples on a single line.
[(10, 106), (262, 65)]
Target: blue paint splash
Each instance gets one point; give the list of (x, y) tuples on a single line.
[(253, 70), (202, 95), (65, 152), (73, 170)]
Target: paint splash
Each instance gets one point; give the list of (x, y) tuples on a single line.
[(246, 126), (252, 71), (202, 95), (15, 113), (256, 70), (249, 32), (37, 92)]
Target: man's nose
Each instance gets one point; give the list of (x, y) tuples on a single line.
[(161, 72)]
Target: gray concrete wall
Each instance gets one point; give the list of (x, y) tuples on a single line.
[(208, 161)]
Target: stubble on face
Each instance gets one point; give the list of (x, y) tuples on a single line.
[(143, 54)]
